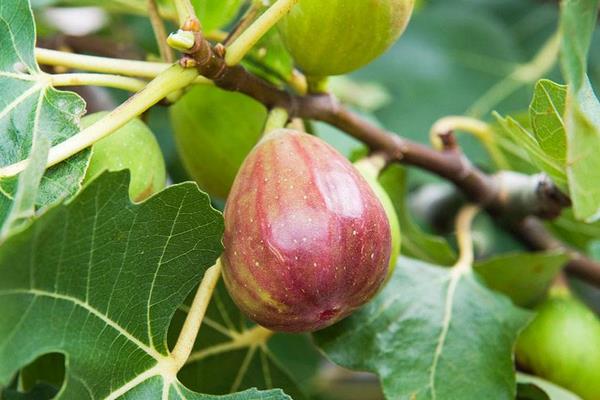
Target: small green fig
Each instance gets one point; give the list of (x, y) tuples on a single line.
[(334, 37), (562, 344), (132, 147), (214, 131), (371, 173), (307, 241)]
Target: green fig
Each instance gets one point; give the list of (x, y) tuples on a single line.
[(132, 147), (371, 173), (214, 131), (334, 37), (306, 239), (562, 345)]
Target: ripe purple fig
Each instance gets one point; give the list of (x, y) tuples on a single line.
[(306, 239)]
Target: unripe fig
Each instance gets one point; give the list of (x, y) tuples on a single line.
[(132, 147), (562, 344), (370, 172), (214, 132), (306, 240), (334, 37)]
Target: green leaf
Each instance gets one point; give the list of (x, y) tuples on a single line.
[(546, 112), (99, 279), (32, 114), (524, 277), (582, 116), (549, 389), (583, 165), (516, 133), (415, 242), (231, 354), (432, 333)]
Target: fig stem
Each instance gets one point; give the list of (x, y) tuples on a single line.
[(277, 119), (477, 128), (247, 39), (104, 80), (169, 81), (140, 69), (464, 223), (160, 33), (185, 342), (247, 19), (186, 14)]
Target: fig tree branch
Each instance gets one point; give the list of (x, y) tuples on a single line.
[(500, 195), (449, 163)]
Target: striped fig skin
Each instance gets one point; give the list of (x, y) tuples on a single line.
[(333, 37), (306, 240)]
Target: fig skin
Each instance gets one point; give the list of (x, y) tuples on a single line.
[(562, 344), (132, 147), (371, 174), (306, 240), (334, 37), (214, 131)]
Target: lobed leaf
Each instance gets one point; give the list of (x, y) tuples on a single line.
[(99, 279), (32, 112), (432, 333)]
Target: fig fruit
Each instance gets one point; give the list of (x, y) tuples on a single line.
[(371, 173), (562, 344), (306, 240), (334, 37), (132, 147), (214, 131)]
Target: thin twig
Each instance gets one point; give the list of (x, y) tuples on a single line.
[(244, 22), (166, 53)]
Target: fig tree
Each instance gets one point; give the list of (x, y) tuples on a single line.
[(132, 147), (306, 240), (562, 344), (334, 37)]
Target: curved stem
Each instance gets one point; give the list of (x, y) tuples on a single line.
[(187, 337), (242, 45), (278, 117), (171, 80), (142, 69), (463, 235), (105, 80), (479, 129)]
